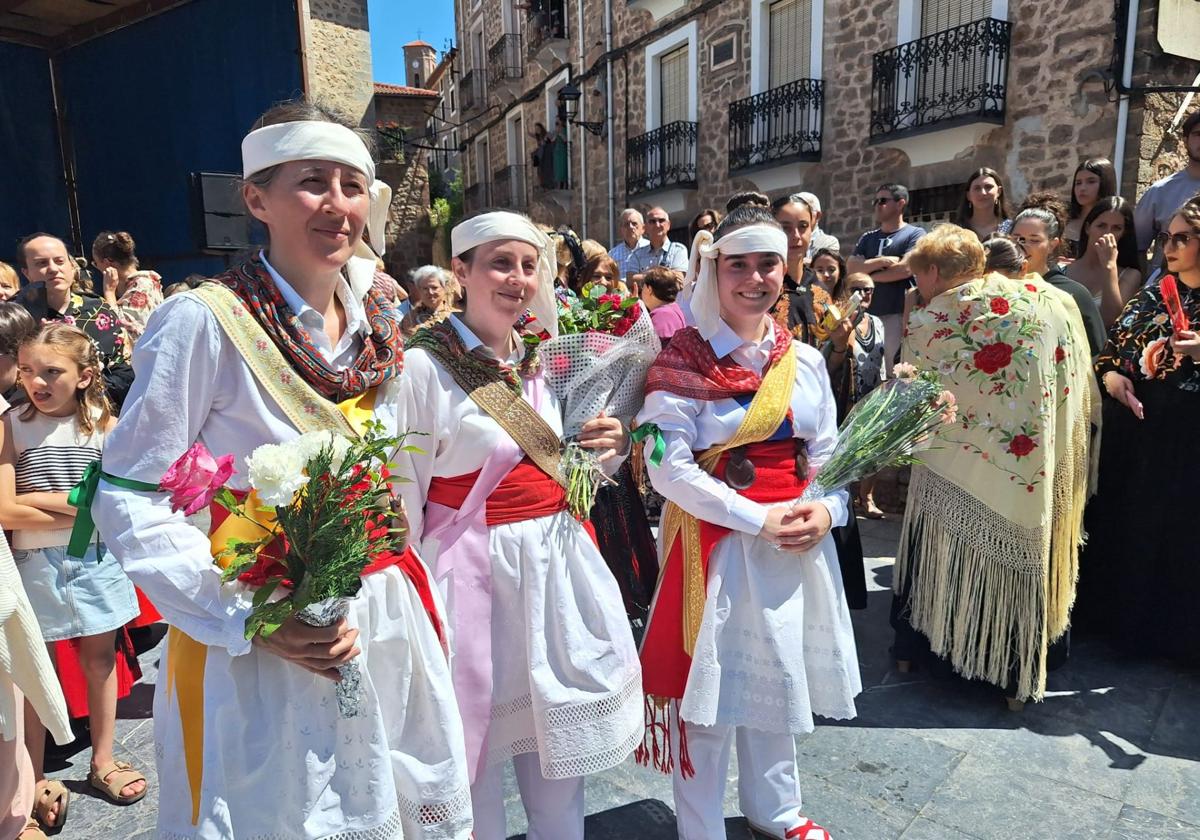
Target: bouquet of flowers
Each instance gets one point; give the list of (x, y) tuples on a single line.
[(325, 516), (886, 428), (598, 362)]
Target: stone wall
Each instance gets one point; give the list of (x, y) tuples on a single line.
[(1058, 112), (1155, 151), (337, 55), (409, 233)]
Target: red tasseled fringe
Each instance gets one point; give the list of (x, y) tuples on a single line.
[(656, 741)]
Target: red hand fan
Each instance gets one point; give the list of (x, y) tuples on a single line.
[(1170, 293)]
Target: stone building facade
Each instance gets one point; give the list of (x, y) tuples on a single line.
[(831, 96), (336, 43)]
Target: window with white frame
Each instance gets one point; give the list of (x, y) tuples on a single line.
[(673, 86), (786, 42), (790, 47), (671, 73)]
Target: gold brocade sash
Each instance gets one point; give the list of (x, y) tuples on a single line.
[(308, 412), (509, 409), (767, 411)]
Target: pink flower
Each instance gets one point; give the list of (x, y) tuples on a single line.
[(194, 480), (949, 406)]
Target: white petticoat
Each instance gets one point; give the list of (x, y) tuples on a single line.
[(280, 764), (566, 679), (776, 645)]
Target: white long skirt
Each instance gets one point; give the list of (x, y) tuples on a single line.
[(776, 645), (567, 683), (280, 764)]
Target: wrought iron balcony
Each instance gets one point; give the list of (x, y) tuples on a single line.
[(780, 125), (664, 157), (505, 59), (477, 196), (950, 78), (547, 22), (471, 94), (510, 187)]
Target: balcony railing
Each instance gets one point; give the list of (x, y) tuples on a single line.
[(780, 125), (477, 196), (949, 78), (471, 94), (664, 157), (509, 187), (547, 22), (505, 60)]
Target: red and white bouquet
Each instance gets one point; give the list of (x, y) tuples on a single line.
[(320, 513), (598, 362)]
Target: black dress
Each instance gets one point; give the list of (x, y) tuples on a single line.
[(1137, 574)]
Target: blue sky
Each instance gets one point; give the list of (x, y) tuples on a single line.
[(396, 22)]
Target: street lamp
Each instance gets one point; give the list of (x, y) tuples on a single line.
[(568, 104)]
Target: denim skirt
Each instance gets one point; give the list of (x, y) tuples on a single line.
[(76, 596)]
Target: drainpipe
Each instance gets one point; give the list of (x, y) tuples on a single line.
[(610, 120), (1126, 82), (581, 134)]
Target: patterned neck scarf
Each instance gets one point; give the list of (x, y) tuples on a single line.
[(443, 342), (689, 367), (381, 357)]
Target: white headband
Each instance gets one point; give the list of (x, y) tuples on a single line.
[(501, 225), (752, 239), (317, 140)]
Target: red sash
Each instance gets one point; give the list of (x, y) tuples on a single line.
[(527, 492), (665, 664), (270, 564)]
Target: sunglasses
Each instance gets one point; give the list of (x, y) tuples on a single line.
[(1175, 240), (864, 290), (879, 202)]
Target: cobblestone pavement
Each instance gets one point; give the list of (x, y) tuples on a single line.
[(1113, 753)]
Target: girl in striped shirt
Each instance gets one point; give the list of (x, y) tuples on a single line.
[(45, 447)]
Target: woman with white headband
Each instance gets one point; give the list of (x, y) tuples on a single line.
[(249, 738), (545, 668), (749, 635)]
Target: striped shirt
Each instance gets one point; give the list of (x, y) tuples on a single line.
[(52, 454)]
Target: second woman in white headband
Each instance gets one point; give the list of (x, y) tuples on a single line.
[(545, 668), (749, 635)]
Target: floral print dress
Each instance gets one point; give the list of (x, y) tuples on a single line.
[(1136, 576), (143, 294)]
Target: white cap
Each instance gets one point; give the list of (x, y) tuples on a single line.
[(811, 200)]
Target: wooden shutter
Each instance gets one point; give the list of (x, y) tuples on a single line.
[(791, 41), (673, 86), (940, 15)]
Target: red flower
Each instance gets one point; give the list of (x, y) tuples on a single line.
[(1059, 355), (1030, 287), (1021, 445), (138, 300), (999, 306), (993, 357)]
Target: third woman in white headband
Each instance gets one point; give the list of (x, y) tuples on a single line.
[(749, 635), (545, 668), (249, 739)]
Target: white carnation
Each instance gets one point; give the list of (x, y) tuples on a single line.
[(277, 473), (309, 445)]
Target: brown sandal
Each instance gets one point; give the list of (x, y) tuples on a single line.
[(32, 831), (49, 794), (114, 776)]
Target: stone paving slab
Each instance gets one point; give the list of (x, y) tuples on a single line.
[(1113, 754)]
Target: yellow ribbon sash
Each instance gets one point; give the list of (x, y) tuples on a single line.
[(767, 411)]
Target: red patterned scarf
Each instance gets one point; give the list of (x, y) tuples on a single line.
[(382, 354), (689, 367)]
